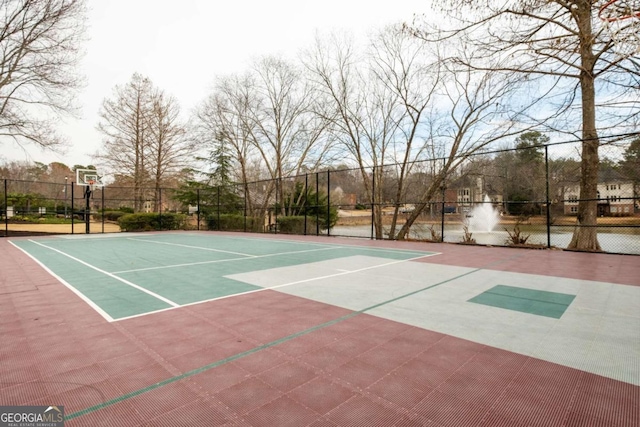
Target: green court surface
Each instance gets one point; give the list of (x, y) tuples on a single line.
[(126, 276), (541, 303)]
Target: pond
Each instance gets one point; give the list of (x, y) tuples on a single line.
[(612, 239)]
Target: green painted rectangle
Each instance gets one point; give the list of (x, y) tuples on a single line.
[(541, 303)]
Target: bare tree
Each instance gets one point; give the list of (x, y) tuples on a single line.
[(562, 42), (407, 70), (221, 122), (403, 104), (125, 122), (359, 109), (283, 126), (472, 118), (145, 138), (168, 149), (267, 120), (39, 50)]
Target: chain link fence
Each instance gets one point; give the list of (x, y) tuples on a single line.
[(518, 197)]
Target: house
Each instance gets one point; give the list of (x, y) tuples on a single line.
[(345, 200), (615, 198), (468, 196)]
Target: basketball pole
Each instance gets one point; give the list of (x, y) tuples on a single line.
[(87, 208)]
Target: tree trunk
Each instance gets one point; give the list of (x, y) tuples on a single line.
[(585, 235), (421, 205)]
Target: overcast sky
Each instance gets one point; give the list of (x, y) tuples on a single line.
[(182, 45)]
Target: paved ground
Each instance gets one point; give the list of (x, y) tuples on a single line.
[(14, 229), (472, 336)]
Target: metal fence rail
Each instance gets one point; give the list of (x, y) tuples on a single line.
[(527, 197)]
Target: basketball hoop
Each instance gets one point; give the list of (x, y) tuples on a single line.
[(89, 178), (621, 20)]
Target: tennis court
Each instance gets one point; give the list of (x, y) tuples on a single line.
[(209, 329), (134, 275)]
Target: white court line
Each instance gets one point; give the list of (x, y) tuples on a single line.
[(65, 283), (342, 273), (113, 276), (251, 239), (105, 235), (217, 261), (191, 247), (341, 245), (345, 272)]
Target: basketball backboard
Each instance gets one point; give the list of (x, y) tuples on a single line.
[(88, 178)]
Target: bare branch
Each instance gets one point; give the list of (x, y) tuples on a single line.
[(39, 50)]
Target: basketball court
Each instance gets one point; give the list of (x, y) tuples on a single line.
[(255, 330)]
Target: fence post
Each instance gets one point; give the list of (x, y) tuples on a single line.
[(72, 209), (328, 203), (6, 209), (160, 207), (306, 192), (546, 162), (317, 204), (218, 204), (444, 198), (373, 199), (275, 208), (198, 207), (244, 210), (102, 207), (443, 206)]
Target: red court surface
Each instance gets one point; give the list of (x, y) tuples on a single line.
[(274, 359)]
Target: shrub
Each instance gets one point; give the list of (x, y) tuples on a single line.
[(31, 219), (467, 236), (23, 218), (110, 215), (152, 221), (516, 236), (305, 201), (295, 224), (232, 222), (436, 236)]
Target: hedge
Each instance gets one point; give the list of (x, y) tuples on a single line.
[(110, 215), (295, 224), (152, 222), (232, 222)]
